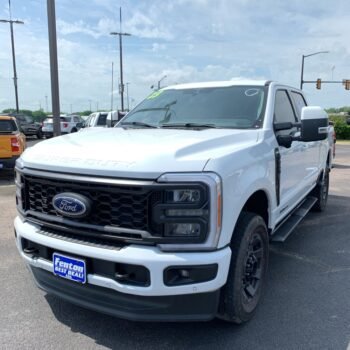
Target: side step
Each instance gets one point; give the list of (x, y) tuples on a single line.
[(287, 227)]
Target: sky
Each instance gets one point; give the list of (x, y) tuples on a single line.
[(184, 40)]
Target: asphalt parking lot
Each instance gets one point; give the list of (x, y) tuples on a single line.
[(306, 303)]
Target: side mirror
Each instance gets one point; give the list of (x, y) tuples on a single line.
[(314, 124)]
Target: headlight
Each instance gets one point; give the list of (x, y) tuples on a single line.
[(19, 188), (183, 196), (189, 213)]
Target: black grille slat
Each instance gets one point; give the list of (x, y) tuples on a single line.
[(113, 205)]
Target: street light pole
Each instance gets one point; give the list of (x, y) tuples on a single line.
[(10, 21), (112, 87), (121, 58), (127, 95), (55, 92), (302, 65)]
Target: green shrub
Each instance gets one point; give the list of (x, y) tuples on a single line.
[(342, 130)]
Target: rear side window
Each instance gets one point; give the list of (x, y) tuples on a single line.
[(299, 102), (102, 120), (7, 126), (284, 112)]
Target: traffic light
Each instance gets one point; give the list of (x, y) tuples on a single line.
[(318, 84), (346, 82)]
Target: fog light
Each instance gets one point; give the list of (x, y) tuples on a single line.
[(181, 275), (184, 273), (182, 229)]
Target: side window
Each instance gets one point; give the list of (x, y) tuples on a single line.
[(299, 102), (283, 109)]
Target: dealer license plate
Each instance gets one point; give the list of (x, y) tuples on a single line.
[(69, 268)]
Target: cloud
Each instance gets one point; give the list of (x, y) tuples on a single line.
[(187, 40), (78, 27), (144, 27)]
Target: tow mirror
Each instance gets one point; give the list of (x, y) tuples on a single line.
[(314, 124)]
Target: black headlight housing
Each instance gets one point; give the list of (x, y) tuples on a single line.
[(182, 213)]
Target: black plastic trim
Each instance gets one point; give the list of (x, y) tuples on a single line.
[(188, 307), (277, 174)]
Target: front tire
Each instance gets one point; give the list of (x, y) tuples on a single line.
[(250, 250)]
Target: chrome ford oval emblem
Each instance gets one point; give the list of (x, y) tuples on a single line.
[(71, 204)]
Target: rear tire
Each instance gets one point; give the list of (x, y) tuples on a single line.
[(321, 192), (250, 250), (39, 134), (74, 130)]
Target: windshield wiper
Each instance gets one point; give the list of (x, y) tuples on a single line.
[(188, 125), (145, 125)]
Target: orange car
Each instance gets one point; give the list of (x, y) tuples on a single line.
[(12, 142)]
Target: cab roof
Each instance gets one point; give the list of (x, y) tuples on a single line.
[(6, 117), (226, 83)]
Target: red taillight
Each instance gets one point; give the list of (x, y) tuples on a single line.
[(65, 125), (15, 146)]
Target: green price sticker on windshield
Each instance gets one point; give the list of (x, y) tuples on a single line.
[(154, 94)]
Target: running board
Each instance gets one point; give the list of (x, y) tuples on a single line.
[(287, 227)]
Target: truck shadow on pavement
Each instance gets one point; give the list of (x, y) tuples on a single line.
[(308, 276), (7, 177)]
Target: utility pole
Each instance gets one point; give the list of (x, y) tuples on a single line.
[(120, 34), (112, 88), (13, 52), (55, 94), (90, 105), (47, 105), (127, 95)]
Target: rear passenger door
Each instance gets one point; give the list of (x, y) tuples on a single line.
[(291, 159), (311, 150)]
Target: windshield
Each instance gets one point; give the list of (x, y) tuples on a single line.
[(29, 119), (239, 107)]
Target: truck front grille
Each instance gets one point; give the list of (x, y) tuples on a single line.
[(125, 206)]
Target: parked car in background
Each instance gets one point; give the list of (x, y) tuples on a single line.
[(97, 119), (28, 126), (114, 117), (12, 142), (69, 124), (103, 119)]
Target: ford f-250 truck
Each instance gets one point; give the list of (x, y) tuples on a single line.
[(168, 216)]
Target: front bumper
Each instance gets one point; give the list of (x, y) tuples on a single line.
[(156, 301), (8, 163)]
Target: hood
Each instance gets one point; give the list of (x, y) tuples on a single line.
[(135, 153)]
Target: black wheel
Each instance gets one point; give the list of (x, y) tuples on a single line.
[(250, 250), (74, 130), (321, 192), (39, 134)]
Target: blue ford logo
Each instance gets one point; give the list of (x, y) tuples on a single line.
[(71, 204)]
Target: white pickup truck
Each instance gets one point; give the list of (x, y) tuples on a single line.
[(68, 123), (169, 215)]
